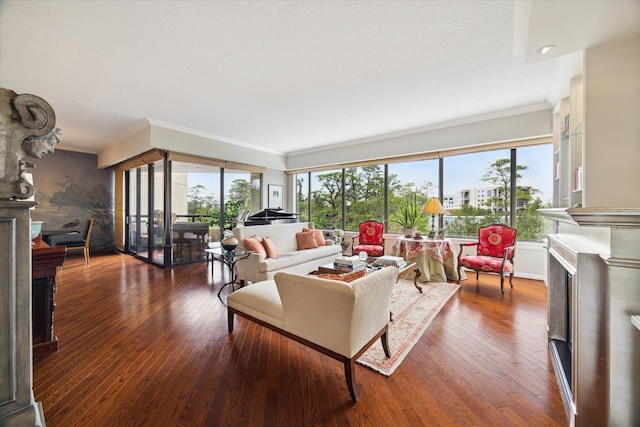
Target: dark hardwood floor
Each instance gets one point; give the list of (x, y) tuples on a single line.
[(143, 346)]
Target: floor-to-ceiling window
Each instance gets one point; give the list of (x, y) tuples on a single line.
[(417, 181), (176, 209), (476, 189), (535, 191), (302, 197), (364, 195), (326, 199)]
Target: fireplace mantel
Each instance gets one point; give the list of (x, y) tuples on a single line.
[(598, 250), (597, 217)]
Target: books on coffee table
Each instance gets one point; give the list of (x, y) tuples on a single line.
[(348, 263), (395, 261)]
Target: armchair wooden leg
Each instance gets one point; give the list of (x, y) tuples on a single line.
[(502, 283), (510, 278), (349, 373)]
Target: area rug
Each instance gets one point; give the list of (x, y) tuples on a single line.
[(412, 314)]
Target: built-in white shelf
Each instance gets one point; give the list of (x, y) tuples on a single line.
[(635, 321)]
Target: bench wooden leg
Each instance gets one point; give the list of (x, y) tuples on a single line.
[(349, 373), (385, 344), (230, 320)]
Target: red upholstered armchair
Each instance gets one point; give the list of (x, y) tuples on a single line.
[(496, 247), (370, 239)]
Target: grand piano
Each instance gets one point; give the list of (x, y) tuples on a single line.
[(271, 216)]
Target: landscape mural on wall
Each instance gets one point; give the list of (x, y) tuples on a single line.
[(71, 189)]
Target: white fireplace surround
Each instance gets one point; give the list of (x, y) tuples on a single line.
[(600, 248)]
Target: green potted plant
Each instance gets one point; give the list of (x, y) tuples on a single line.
[(407, 216)]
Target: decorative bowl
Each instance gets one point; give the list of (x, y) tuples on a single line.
[(229, 244), (36, 228)]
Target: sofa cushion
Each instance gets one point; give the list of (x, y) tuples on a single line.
[(319, 234), (254, 244), (260, 300), (306, 240), (270, 247), (289, 259)]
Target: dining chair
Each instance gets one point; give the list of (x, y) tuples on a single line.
[(82, 245)]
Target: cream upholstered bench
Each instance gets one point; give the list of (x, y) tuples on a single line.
[(339, 319)]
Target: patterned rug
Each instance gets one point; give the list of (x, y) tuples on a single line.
[(412, 314)]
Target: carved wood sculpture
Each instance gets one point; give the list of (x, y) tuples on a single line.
[(27, 124)]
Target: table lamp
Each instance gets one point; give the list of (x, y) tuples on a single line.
[(433, 208)]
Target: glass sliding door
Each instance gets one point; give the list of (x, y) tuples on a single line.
[(174, 210), (157, 219), (138, 205), (195, 210), (132, 219)]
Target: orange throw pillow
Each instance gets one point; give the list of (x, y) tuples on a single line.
[(306, 240), (270, 247), (319, 236), (254, 244), (344, 277)]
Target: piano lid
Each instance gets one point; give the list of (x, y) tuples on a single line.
[(274, 213), (271, 216)]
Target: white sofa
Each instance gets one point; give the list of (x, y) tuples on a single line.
[(257, 268), (336, 318)]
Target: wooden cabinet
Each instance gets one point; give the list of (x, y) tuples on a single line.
[(45, 263)]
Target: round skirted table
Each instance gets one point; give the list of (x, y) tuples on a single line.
[(436, 258)]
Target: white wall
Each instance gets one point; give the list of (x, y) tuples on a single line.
[(611, 150), (188, 142), (537, 122), (136, 143)]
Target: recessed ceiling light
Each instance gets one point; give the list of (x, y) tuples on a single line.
[(545, 49)]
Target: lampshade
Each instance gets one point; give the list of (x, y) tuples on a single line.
[(433, 207)]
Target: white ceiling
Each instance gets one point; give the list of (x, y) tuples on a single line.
[(287, 76)]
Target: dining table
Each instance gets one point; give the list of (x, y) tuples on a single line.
[(436, 258)]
